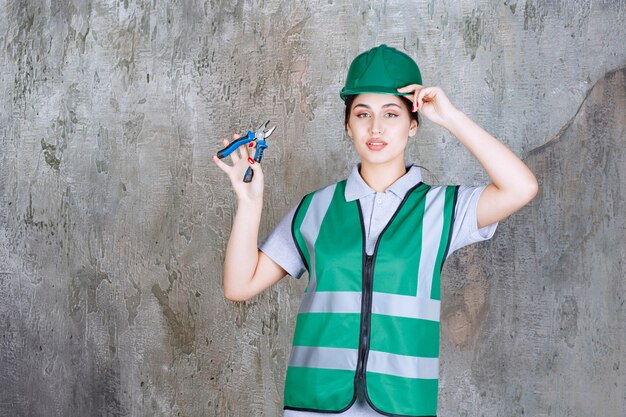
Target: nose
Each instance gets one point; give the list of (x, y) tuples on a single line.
[(377, 126)]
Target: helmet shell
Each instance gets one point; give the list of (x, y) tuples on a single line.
[(381, 70)]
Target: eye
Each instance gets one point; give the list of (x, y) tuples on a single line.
[(391, 115), (362, 115)]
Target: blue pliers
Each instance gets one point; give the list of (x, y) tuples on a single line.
[(260, 135)]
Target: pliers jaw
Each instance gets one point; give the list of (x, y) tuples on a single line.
[(262, 131)]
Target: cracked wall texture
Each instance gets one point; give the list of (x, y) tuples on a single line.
[(114, 220)]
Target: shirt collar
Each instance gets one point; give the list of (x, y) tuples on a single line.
[(357, 188)]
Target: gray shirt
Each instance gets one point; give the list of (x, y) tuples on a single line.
[(378, 207)]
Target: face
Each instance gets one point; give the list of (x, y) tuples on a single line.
[(380, 126)]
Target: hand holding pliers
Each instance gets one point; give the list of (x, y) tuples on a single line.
[(260, 135)]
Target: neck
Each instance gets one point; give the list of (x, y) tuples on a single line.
[(380, 176)]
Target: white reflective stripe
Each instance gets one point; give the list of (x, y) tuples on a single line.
[(331, 302), (402, 365), (382, 303), (311, 224), (432, 227), (323, 357), (380, 362), (405, 306)]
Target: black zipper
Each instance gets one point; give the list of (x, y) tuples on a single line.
[(366, 301), (366, 307)]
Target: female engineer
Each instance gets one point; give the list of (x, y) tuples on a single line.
[(366, 341)]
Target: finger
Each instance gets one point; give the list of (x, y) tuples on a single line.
[(415, 102), (224, 167), (225, 143), (233, 155), (240, 148), (256, 167), (251, 149), (411, 92), (408, 88), (424, 96), (419, 103), (429, 94), (244, 150)]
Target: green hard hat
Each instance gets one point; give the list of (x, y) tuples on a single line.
[(380, 70)]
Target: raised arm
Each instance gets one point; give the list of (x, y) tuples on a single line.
[(247, 270), (513, 184)]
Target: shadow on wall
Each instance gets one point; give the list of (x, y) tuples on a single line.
[(572, 309), (580, 252), (541, 314)]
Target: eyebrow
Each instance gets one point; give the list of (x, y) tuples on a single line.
[(368, 107)]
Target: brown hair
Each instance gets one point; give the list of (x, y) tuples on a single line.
[(350, 100)]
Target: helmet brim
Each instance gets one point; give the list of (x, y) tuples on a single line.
[(372, 89)]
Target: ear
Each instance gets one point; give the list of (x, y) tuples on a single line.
[(412, 128), (349, 130)]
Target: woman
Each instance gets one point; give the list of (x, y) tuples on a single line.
[(366, 341)]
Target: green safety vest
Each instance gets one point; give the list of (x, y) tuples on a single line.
[(369, 322)]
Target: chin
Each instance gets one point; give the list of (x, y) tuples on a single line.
[(378, 161)]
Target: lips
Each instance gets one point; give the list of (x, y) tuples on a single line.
[(376, 144)]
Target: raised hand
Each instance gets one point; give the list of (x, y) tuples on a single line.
[(431, 102), (242, 159)]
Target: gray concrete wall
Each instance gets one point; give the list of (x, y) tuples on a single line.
[(114, 220)]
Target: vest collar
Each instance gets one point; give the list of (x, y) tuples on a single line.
[(357, 188)]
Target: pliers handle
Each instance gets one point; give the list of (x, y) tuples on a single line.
[(223, 153), (258, 154)]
